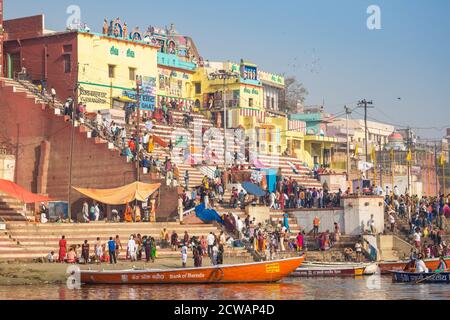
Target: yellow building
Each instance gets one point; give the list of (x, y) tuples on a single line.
[(108, 68), (175, 80)]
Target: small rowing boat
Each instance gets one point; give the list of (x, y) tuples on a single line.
[(387, 266), (328, 271), (258, 272), (369, 268), (408, 277)]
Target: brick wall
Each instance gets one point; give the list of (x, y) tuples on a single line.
[(42, 146), (23, 28), (44, 59)]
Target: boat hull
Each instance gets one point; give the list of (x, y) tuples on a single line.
[(407, 277), (387, 267), (328, 272), (369, 268), (272, 271)]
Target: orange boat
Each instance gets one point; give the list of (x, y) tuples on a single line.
[(386, 267), (258, 272)]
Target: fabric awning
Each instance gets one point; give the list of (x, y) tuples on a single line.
[(120, 196), (16, 191)]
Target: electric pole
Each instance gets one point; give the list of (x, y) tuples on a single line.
[(347, 114), (409, 144), (366, 104), (138, 124), (72, 138), (436, 166)]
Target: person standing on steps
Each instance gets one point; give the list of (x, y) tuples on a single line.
[(85, 252), (112, 251), (316, 225), (184, 254), (53, 93), (186, 180), (62, 249)]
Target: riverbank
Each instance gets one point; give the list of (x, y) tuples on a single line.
[(13, 274)]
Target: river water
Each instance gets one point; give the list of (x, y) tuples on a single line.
[(364, 288)]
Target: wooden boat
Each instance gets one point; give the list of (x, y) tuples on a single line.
[(387, 266), (408, 277), (328, 271), (369, 268), (258, 272)]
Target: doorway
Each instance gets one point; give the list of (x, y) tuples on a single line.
[(14, 66)]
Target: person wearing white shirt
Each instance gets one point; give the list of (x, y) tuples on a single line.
[(149, 125), (215, 253), (99, 120), (210, 239), (240, 226), (417, 239), (396, 192), (420, 265), (97, 212), (272, 200), (184, 255), (53, 93), (44, 218), (392, 221), (132, 249), (371, 224)]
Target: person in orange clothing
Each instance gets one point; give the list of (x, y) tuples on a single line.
[(62, 249), (128, 214), (316, 225)]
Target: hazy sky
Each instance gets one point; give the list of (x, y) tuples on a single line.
[(325, 43)]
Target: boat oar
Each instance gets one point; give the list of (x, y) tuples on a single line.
[(428, 278)]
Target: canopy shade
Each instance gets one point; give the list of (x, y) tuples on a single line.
[(120, 196), (20, 193)]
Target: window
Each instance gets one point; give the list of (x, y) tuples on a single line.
[(67, 63), (250, 102), (198, 88), (273, 103), (132, 74), (67, 48), (111, 71)]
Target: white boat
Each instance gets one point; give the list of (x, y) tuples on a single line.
[(369, 268)]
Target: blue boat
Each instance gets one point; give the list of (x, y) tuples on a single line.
[(409, 277)]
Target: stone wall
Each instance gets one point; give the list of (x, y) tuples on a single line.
[(358, 211), (327, 218)]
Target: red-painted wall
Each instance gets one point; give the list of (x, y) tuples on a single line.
[(44, 167), (44, 59)]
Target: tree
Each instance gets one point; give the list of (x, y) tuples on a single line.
[(293, 95)]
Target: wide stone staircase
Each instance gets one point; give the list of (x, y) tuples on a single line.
[(12, 209), (28, 241)]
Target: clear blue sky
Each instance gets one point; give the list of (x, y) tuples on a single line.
[(325, 44)]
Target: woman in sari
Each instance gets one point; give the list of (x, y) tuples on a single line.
[(151, 144), (128, 214), (62, 249)]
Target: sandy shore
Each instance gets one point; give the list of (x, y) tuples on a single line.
[(55, 273)]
